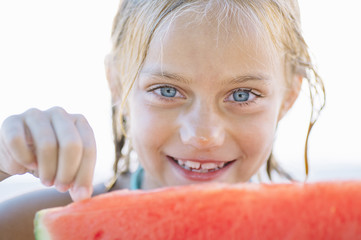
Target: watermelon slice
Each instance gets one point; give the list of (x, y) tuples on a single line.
[(329, 210)]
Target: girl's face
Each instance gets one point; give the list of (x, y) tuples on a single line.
[(206, 104)]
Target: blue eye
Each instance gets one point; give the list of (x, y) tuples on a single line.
[(241, 95), (168, 92)]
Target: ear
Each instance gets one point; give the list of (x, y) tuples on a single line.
[(291, 95), (112, 77)]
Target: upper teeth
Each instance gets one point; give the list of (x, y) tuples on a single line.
[(198, 165)]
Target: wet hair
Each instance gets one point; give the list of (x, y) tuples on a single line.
[(137, 21)]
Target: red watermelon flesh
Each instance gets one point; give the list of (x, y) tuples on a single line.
[(330, 210)]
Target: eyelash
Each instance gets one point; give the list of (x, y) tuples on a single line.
[(164, 98), (248, 102), (170, 99)]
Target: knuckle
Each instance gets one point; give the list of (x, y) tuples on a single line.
[(9, 121), (33, 112), (57, 110), (33, 115), (10, 126), (81, 120), (79, 117)]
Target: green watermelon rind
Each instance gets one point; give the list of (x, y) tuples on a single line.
[(40, 231)]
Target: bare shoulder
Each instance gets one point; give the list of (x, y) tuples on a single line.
[(17, 214)]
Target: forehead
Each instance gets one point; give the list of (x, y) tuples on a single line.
[(204, 43)]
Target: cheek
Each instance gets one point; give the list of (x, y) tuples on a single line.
[(256, 135), (149, 130), (260, 141), (142, 128)]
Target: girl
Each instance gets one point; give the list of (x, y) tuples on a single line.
[(198, 88)]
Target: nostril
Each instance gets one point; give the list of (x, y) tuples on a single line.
[(201, 142), (203, 139), (202, 134)]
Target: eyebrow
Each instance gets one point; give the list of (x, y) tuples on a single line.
[(249, 77), (234, 80), (170, 76)]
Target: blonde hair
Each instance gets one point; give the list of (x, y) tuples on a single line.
[(138, 20)]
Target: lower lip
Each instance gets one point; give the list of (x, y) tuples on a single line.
[(195, 176)]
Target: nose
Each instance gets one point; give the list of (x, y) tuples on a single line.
[(202, 128)]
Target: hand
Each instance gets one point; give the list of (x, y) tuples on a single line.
[(54, 145)]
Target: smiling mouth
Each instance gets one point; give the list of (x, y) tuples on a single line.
[(199, 167)]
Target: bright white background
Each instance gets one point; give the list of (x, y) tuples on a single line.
[(51, 54)]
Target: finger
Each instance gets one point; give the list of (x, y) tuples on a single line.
[(45, 144), (14, 139), (82, 187), (8, 165), (69, 148)]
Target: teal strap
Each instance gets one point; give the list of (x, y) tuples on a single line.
[(136, 179)]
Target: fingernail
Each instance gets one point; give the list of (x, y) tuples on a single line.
[(47, 183), (62, 187), (81, 193)]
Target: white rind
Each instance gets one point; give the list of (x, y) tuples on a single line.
[(40, 230)]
